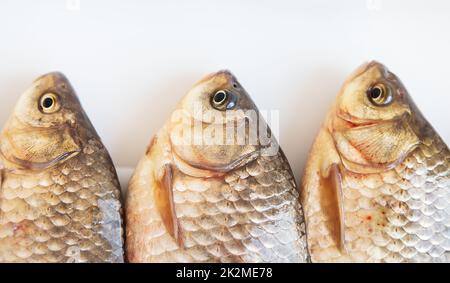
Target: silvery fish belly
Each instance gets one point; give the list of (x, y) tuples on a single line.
[(377, 183), (59, 193), (214, 202)]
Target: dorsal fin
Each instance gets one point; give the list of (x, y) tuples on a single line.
[(165, 203)]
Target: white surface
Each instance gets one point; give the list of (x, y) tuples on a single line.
[(131, 61)]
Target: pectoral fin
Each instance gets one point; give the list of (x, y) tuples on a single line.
[(332, 204), (165, 203), (1, 174)]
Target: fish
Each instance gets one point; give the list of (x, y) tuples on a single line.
[(376, 186), (59, 193), (227, 200)]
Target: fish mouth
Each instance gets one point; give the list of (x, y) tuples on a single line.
[(55, 75), (226, 73)]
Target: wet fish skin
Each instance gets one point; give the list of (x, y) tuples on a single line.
[(376, 187), (198, 204), (59, 193)]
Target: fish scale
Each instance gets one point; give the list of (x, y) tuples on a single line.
[(59, 193), (225, 200), (62, 216), (414, 200), (376, 186), (236, 219)]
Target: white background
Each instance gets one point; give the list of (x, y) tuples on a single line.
[(131, 61)]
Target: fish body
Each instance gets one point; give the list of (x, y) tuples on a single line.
[(213, 203), (59, 193), (376, 187)]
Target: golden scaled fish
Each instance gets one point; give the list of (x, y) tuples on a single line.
[(213, 202), (59, 193), (376, 187)]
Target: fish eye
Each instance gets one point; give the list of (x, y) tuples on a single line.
[(220, 97), (49, 103), (223, 100), (379, 95)]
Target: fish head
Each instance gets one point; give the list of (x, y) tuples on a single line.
[(372, 93), (213, 124), (374, 122), (47, 126), (217, 95)]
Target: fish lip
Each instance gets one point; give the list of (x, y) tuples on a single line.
[(226, 72), (52, 74), (364, 67)]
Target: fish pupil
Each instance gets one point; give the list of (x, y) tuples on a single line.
[(47, 103), (219, 97), (375, 93)]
